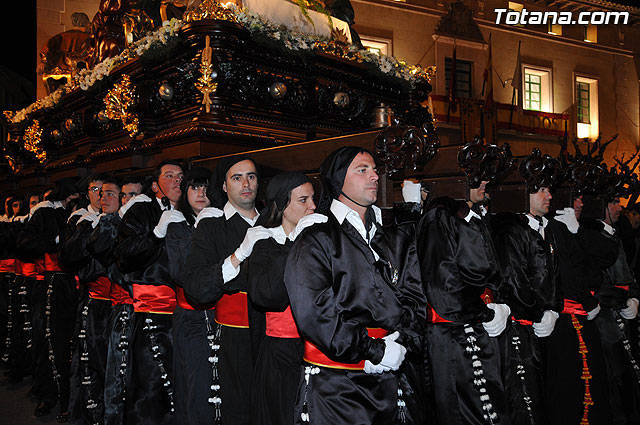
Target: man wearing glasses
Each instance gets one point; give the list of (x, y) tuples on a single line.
[(90, 351), (141, 257)]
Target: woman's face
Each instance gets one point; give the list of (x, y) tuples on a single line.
[(197, 198), (301, 204)]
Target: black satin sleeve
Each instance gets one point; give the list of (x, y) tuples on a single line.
[(203, 282), (524, 267), (320, 306), (39, 234), (136, 245), (178, 244), (101, 243), (457, 262), (73, 254), (402, 252), (265, 275)]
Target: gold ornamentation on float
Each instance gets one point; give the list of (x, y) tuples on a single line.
[(118, 104), (33, 141), (210, 9), (205, 83), (16, 166)]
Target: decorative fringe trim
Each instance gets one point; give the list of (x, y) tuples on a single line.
[(627, 347), (47, 313), (7, 340), (150, 327), (84, 364), (479, 381), (213, 339), (586, 374), (24, 309), (123, 346), (402, 407), (308, 371), (520, 372)]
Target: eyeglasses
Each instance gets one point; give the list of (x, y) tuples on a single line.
[(94, 189)]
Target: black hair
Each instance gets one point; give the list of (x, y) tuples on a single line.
[(196, 177), (158, 170), (112, 180), (141, 180)]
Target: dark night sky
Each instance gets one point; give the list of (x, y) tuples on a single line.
[(19, 40)]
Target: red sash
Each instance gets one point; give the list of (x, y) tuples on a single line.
[(51, 262), (39, 268), (8, 265), (625, 287), (522, 321), (433, 317), (118, 295), (153, 299), (281, 324), (572, 307), (314, 356), (100, 289), (231, 310), (28, 270)]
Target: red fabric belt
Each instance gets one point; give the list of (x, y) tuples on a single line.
[(625, 287), (433, 317), (40, 268), (522, 321), (313, 355), (281, 324), (28, 270), (8, 265), (153, 299), (572, 307), (182, 300), (231, 310), (100, 289), (51, 262), (118, 295)]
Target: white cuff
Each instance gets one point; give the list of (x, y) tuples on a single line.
[(228, 271)]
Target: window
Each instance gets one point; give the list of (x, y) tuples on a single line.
[(377, 45), (554, 29), (582, 95), (537, 89), (532, 91), (590, 33), (586, 96), (516, 7), (463, 77)]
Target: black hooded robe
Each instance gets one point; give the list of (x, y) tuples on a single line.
[(529, 268), (337, 291), (458, 263), (142, 257)]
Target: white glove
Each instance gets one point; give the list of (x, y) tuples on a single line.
[(393, 352), (209, 212), (632, 309), (253, 235), (593, 313), (171, 216), (567, 217), (545, 326), (306, 221), (411, 191), (91, 217), (499, 322), (374, 368)]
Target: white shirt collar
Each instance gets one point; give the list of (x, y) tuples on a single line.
[(230, 210), (472, 214), (93, 210), (608, 228), (342, 211), (279, 234), (535, 224)]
